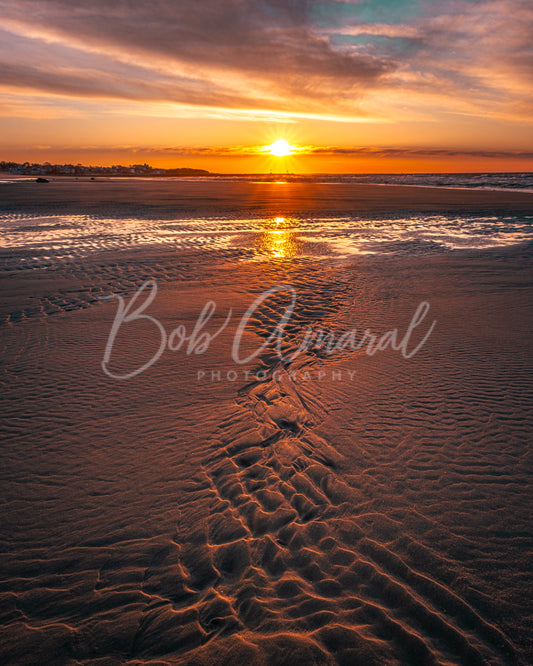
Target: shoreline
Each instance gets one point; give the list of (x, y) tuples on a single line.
[(208, 198), (329, 179)]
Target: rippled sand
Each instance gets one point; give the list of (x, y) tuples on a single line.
[(336, 509), (30, 242)]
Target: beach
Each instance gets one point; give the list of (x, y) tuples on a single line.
[(173, 197), (265, 423)]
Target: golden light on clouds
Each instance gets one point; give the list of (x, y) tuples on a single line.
[(441, 87)]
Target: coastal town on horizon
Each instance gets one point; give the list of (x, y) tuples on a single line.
[(145, 170), (47, 169)]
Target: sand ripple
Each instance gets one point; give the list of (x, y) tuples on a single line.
[(37, 242), (380, 521)]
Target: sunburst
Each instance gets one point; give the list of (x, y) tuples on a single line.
[(280, 148)]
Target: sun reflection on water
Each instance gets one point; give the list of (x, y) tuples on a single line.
[(277, 239)]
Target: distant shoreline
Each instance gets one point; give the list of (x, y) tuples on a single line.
[(167, 198), (507, 182)]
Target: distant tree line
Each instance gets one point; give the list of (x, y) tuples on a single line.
[(47, 169)]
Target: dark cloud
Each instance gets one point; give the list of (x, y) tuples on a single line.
[(344, 151), (97, 84), (415, 152), (273, 40), (293, 56)]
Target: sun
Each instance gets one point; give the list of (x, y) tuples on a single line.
[(280, 148)]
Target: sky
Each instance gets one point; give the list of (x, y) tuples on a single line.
[(353, 85)]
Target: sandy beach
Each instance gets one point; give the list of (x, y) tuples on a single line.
[(208, 197), (346, 498)]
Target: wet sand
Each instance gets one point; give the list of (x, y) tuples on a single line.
[(200, 197), (333, 509)]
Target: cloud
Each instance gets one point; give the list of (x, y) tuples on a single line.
[(415, 152), (480, 55), (87, 83), (401, 31), (268, 43), (339, 59), (320, 151)]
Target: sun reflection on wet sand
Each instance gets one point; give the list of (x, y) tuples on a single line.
[(277, 239), (46, 241)]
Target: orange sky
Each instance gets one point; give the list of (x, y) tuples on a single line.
[(368, 86)]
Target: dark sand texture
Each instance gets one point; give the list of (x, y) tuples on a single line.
[(310, 516), (175, 198), (165, 520)]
